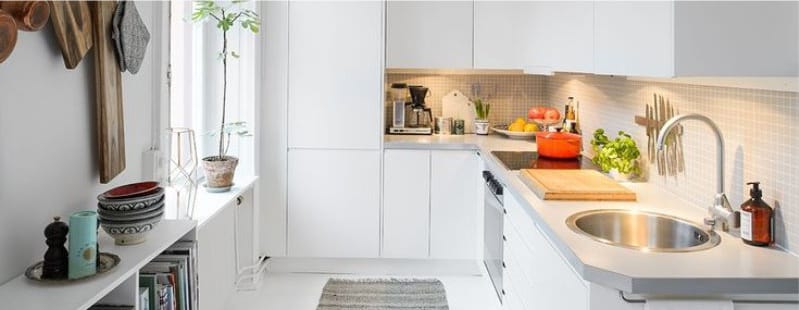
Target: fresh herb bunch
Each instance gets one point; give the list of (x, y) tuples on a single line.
[(621, 153), (226, 15), (481, 109)]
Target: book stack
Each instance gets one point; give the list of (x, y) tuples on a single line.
[(169, 281)]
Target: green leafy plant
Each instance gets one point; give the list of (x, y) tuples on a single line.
[(481, 109), (621, 153), (226, 15), (238, 129)]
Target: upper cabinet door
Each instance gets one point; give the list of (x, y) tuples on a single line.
[(534, 36), (634, 38), (560, 36), (335, 75), (500, 33), (758, 38), (429, 34)]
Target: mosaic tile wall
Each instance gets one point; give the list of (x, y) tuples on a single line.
[(760, 128), (509, 95)]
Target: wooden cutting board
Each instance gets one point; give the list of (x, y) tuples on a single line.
[(456, 105), (73, 29), (108, 92), (554, 184)]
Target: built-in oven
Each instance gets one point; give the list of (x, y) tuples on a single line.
[(494, 218)]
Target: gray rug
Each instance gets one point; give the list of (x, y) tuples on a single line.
[(375, 294)]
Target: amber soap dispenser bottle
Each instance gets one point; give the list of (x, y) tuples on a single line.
[(756, 219)]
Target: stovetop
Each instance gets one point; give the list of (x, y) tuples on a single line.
[(513, 160)]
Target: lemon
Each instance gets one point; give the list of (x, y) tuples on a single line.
[(530, 127), (519, 120), (517, 127)]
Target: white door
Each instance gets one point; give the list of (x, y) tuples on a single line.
[(634, 38), (406, 204), (455, 211), (333, 203), (335, 74), (429, 34)]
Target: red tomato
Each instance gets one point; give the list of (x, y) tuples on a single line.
[(536, 112), (551, 114)]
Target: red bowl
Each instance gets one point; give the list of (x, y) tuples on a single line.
[(558, 144), (131, 190)]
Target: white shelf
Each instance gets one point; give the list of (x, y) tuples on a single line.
[(23, 294)]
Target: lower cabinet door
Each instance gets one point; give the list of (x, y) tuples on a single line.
[(333, 203), (406, 204), (455, 205), (216, 260)]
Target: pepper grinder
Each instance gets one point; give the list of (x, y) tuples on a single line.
[(56, 259)]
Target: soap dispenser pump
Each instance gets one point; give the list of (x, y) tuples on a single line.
[(756, 219)]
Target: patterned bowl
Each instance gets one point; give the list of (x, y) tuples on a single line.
[(130, 204), (125, 213), (130, 233), (132, 216)]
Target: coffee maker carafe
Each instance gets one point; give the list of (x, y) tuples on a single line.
[(423, 116), (419, 119)]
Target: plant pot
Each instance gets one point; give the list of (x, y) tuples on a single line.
[(219, 172), (481, 126)]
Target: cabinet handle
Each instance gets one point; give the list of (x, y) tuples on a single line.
[(504, 238), (504, 211), (503, 292), (239, 200), (504, 266)]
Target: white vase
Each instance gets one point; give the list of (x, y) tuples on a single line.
[(481, 126)]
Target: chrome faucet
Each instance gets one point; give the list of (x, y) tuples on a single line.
[(720, 211)]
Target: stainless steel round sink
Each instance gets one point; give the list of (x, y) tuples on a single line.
[(644, 231)]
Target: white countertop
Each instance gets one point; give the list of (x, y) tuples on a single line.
[(729, 268)]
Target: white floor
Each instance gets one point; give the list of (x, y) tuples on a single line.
[(301, 291)]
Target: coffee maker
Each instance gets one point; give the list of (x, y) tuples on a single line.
[(417, 117)]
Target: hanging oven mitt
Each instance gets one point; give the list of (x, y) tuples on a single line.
[(133, 36)]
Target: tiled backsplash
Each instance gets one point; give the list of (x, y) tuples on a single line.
[(509, 95), (759, 127)]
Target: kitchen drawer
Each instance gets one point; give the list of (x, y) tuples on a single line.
[(540, 262), (511, 300)]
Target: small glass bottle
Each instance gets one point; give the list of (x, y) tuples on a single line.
[(756, 219)]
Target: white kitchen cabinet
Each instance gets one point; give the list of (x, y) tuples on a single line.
[(684, 38), (536, 262), (455, 205), (634, 38), (535, 36), (333, 203), (216, 260), (406, 204), (335, 97), (429, 34)]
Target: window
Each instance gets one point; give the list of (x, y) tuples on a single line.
[(196, 82)]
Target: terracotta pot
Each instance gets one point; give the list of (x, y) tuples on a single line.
[(219, 172)]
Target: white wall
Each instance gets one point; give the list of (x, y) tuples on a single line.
[(48, 162)]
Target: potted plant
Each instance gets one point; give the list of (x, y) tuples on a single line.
[(618, 157), (220, 168), (481, 110)]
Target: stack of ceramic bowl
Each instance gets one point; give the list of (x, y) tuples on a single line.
[(128, 213)]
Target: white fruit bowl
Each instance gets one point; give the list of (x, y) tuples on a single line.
[(516, 135)]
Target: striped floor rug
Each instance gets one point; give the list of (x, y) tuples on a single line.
[(378, 294)]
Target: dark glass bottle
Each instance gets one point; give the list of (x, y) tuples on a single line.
[(756, 219)]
